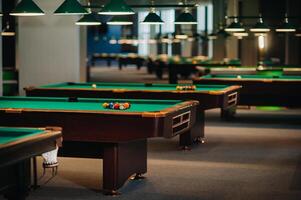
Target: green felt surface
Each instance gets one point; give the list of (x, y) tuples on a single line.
[(270, 72), (269, 68), (8, 135), (132, 86), (269, 108), (254, 77), (83, 104)]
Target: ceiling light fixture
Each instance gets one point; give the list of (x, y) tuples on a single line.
[(181, 36), (185, 18), (212, 36), (116, 7), (286, 26), (260, 26), (7, 31), (88, 20), (71, 7), (27, 8), (221, 31), (235, 26), (152, 18)]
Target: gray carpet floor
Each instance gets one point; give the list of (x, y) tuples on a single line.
[(242, 159), (255, 156)]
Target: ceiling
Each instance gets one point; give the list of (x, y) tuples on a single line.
[(143, 2)]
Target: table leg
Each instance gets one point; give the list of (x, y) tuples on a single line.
[(120, 65), (22, 181), (35, 173), (197, 132), (228, 113), (121, 161), (172, 75)]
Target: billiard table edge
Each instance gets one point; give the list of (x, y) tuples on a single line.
[(155, 114), (212, 92), (48, 132)]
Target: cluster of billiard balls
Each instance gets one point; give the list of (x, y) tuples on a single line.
[(185, 87), (116, 105)]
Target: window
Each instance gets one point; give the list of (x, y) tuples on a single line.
[(201, 26), (143, 35), (168, 16)]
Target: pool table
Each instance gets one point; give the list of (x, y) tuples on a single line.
[(261, 90), (249, 70), (17, 146), (209, 96), (119, 137), (103, 56), (131, 59), (183, 68)]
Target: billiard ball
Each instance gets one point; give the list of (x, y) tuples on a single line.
[(111, 105), (116, 106), (94, 86), (126, 105), (105, 105), (239, 77)]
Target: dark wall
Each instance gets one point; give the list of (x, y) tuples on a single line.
[(284, 46), (8, 43)]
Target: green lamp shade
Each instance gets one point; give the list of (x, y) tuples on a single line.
[(71, 7), (88, 20), (7, 31), (152, 18), (235, 27), (260, 27), (27, 8), (116, 7), (223, 33), (212, 36), (119, 20), (185, 18), (286, 27)]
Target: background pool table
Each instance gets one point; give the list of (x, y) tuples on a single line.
[(17, 146), (261, 90), (249, 70), (89, 130), (209, 96), (182, 66)]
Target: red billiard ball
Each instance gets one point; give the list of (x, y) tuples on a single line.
[(116, 106)]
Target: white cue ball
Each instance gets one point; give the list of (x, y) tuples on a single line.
[(94, 86)]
